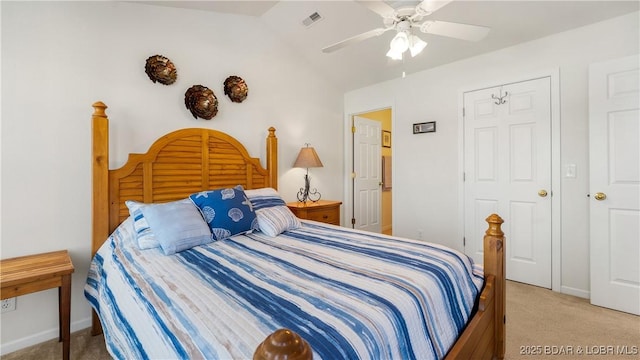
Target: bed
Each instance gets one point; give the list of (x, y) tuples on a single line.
[(299, 290)]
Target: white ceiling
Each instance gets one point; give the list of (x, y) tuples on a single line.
[(365, 63)]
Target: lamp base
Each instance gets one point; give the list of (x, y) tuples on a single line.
[(305, 194)]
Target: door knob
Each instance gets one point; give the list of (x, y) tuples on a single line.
[(600, 196), (542, 193)]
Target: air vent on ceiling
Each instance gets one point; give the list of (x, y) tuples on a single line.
[(312, 19)]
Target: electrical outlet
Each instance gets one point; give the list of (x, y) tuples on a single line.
[(8, 304)]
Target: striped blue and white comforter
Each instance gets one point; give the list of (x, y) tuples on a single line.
[(350, 294)]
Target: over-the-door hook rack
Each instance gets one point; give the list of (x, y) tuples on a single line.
[(500, 99)]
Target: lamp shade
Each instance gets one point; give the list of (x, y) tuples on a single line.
[(307, 158)]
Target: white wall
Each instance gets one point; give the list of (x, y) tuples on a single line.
[(60, 57), (426, 167)]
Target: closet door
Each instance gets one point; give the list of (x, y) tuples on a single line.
[(507, 170)]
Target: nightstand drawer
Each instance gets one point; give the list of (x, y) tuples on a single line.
[(326, 211), (329, 216)]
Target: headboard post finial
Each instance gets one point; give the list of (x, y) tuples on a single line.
[(99, 109)]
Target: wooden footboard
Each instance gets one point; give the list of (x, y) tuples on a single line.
[(483, 338)]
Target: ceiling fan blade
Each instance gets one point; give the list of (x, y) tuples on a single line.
[(431, 6), (355, 39), (455, 30), (379, 7)]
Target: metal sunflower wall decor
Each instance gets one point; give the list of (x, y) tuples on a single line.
[(236, 88), (161, 69), (201, 101)]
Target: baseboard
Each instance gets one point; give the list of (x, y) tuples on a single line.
[(41, 337), (575, 292)]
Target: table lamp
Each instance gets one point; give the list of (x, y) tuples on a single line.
[(307, 158)]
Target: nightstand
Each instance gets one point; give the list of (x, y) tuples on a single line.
[(28, 274), (326, 211)]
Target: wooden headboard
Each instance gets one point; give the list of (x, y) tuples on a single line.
[(176, 165)]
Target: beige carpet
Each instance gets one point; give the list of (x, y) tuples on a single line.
[(540, 317), (541, 324)]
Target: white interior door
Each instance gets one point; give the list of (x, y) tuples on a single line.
[(614, 160), (507, 165), (367, 174)]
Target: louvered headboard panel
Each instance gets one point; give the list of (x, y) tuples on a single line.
[(176, 165)]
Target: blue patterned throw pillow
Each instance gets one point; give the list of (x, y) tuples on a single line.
[(227, 211)]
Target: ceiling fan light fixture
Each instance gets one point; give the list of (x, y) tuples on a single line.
[(400, 42), (417, 45), (394, 55)]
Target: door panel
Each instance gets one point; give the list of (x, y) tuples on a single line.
[(522, 143), (614, 150), (507, 162), (522, 218)]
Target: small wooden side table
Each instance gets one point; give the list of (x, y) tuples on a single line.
[(326, 211), (28, 274)]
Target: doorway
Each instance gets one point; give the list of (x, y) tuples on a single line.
[(372, 171)]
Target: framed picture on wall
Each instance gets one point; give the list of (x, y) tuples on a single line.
[(424, 127), (386, 138)]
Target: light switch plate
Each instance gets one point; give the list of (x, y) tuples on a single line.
[(570, 171)]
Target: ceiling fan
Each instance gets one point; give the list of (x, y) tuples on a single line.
[(406, 18)]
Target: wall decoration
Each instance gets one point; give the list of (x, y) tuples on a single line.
[(386, 138), (236, 88), (424, 127), (201, 101), (386, 173), (161, 69)]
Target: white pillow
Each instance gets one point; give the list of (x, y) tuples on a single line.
[(177, 225), (144, 237), (276, 219), (264, 197)]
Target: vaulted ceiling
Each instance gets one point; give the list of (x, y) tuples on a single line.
[(365, 63)]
